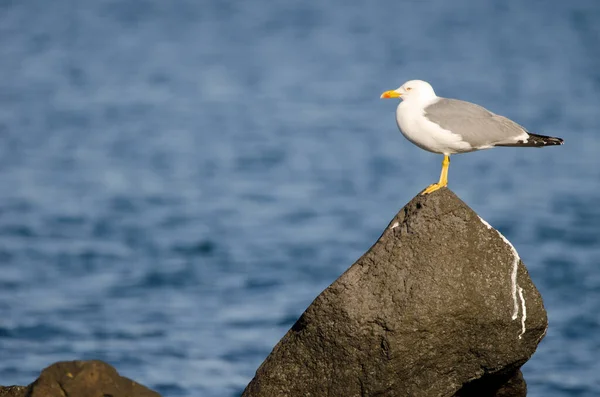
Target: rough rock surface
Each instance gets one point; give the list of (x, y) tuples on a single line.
[(79, 379), (440, 305)]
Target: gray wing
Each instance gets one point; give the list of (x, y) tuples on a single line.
[(475, 124)]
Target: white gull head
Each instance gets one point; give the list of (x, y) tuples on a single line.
[(413, 91)]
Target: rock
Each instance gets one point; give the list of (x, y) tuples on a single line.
[(440, 305), (13, 391), (497, 385), (79, 379)]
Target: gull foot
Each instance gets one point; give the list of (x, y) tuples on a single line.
[(432, 188)]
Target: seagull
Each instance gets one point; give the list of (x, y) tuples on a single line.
[(449, 126)]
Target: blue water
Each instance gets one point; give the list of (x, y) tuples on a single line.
[(180, 179)]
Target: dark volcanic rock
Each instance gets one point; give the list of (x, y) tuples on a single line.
[(441, 305), (79, 379)]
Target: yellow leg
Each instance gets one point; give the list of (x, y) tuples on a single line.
[(443, 177)]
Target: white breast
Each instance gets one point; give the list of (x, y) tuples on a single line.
[(425, 134)]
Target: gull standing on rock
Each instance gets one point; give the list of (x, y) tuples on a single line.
[(449, 126)]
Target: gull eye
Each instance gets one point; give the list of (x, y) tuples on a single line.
[(408, 88)]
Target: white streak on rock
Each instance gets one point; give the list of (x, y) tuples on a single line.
[(513, 280), (485, 223), (396, 224), (523, 312)]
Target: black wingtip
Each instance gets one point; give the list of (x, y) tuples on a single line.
[(535, 140), (543, 140)]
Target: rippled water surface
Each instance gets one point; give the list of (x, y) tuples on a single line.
[(180, 179)]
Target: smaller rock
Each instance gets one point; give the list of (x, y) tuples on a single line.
[(13, 391), (499, 385), (79, 379)]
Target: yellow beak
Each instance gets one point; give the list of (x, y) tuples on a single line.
[(390, 94)]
